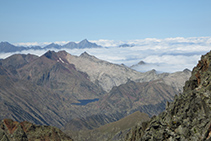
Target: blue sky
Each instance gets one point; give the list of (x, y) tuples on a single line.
[(71, 20)]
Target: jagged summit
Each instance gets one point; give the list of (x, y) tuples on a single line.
[(86, 44), (153, 71), (188, 116), (70, 45), (50, 54), (5, 43), (85, 54), (85, 41), (141, 63), (138, 64), (186, 70), (7, 47)]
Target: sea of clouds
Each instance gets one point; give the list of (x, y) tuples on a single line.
[(163, 55)]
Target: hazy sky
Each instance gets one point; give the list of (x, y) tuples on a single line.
[(75, 20)]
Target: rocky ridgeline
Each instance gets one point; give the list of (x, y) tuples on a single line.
[(188, 116), (108, 75), (26, 131)]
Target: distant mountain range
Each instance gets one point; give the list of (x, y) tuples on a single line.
[(7, 47), (127, 45)]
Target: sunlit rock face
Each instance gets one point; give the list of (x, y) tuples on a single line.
[(108, 75)]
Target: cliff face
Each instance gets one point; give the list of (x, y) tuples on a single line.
[(26, 131), (188, 116)]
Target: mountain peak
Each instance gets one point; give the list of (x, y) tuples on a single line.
[(85, 54), (85, 41), (7, 47), (50, 54), (141, 63), (52, 45), (86, 44), (5, 43), (153, 71), (186, 70)]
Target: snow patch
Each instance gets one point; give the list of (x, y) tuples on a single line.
[(61, 60)]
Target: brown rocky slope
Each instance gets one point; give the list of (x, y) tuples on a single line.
[(188, 116), (26, 131)]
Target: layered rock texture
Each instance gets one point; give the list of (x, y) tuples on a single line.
[(188, 116), (25, 131)]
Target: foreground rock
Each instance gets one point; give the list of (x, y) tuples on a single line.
[(188, 116), (25, 131)]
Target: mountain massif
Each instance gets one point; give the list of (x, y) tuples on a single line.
[(80, 92), (188, 116), (42, 89), (108, 75)]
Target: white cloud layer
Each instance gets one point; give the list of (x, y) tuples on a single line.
[(163, 55)]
